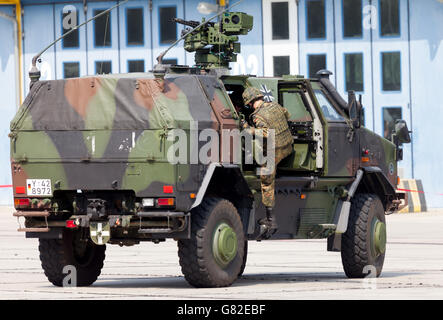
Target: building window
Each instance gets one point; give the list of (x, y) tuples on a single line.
[(391, 71), (390, 116), (281, 66), (316, 19), (71, 40), (103, 67), (71, 70), (102, 29), (316, 62), (136, 66), (354, 71), (168, 28), (134, 30), (352, 18), (172, 62), (280, 21), (389, 18)]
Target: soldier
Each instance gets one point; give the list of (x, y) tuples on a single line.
[(269, 115)]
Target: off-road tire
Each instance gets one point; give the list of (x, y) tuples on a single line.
[(57, 254), (196, 254), (245, 257), (357, 252)]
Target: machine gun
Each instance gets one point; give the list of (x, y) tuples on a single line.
[(216, 43), (190, 23)]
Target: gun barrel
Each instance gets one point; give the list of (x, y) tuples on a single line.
[(191, 24)]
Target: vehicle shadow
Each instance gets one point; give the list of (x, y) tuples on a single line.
[(250, 279), (179, 282)]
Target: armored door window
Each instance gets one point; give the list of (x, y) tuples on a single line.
[(134, 30), (281, 66), (390, 115), (293, 101), (389, 18), (102, 29), (352, 18), (316, 19), (168, 28), (316, 62), (280, 21), (328, 110), (69, 21)]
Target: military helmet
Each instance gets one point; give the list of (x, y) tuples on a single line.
[(251, 94)]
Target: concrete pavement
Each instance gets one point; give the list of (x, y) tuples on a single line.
[(275, 270)]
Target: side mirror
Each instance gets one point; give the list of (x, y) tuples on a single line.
[(401, 134), (354, 109)]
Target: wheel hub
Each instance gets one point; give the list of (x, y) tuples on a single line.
[(224, 246), (379, 236)]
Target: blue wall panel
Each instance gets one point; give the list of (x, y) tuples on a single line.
[(135, 52), (427, 96), (361, 45), (8, 102), (70, 54), (177, 52), (317, 46), (399, 98), (96, 53), (38, 26)]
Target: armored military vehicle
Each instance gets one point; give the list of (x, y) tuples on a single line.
[(91, 165)]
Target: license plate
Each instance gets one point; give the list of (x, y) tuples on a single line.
[(39, 187)]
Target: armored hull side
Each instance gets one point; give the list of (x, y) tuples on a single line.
[(107, 133)]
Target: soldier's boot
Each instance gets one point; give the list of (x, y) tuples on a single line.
[(268, 225)]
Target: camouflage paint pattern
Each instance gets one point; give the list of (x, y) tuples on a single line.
[(110, 133), (96, 133), (344, 158), (381, 153)]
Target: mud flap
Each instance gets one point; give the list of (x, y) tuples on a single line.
[(342, 212), (100, 232), (343, 216)]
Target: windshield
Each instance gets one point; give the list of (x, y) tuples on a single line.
[(327, 108)]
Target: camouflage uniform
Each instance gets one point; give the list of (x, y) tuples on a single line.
[(270, 115)]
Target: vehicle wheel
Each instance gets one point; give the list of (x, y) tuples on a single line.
[(213, 257), (363, 244), (84, 255), (245, 256)]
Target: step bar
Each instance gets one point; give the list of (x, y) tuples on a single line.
[(33, 214)]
